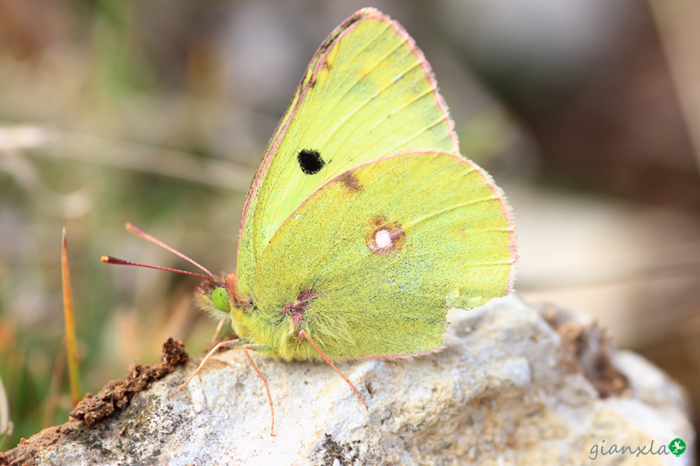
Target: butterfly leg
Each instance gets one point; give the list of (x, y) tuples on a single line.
[(223, 344), (242, 342), (303, 334)]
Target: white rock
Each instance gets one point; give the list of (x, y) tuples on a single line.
[(505, 390)]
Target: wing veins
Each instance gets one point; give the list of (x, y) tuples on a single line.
[(287, 160), (381, 137), (389, 200), (363, 104), (348, 236)]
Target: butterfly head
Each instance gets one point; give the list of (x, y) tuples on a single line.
[(220, 297)]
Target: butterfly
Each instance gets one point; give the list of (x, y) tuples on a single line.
[(364, 224)]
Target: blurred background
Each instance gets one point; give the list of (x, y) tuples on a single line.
[(586, 112)]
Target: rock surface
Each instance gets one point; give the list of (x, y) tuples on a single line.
[(515, 384)]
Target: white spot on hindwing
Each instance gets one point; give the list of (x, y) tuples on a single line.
[(382, 238)]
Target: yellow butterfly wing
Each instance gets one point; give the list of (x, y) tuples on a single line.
[(369, 263), (367, 93)]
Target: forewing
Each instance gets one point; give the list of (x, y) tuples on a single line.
[(368, 93), (382, 251)]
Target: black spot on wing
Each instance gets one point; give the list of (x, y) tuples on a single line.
[(310, 161)]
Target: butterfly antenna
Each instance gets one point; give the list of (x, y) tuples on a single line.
[(115, 261), (142, 234)]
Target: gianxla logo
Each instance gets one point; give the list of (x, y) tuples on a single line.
[(677, 447)]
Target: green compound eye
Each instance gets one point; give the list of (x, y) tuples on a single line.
[(220, 299)]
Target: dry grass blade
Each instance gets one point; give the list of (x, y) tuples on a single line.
[(71, 351)]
